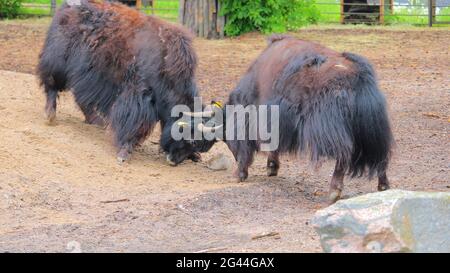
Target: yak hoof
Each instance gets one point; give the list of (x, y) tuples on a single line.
[(123, 156), (272, 172), (51, 118), (272, 169), (383, 187), (242, 176), (334, 196), (121, 159)]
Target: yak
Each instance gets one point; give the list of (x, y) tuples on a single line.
[(330, 106), (126, 71)]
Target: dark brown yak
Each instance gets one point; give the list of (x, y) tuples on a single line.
[(125, 69), (329, 105)]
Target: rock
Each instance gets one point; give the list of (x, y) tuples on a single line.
[(389, 221), (73, 2), (219, 162)]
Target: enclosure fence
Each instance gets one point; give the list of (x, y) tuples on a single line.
[(424, 12), (166, 9), (419, 12)]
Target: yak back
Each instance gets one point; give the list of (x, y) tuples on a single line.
[(115, 36), (298, 70)]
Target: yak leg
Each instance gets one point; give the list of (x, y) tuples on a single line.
[(91, 117), (337, 183), (273, 164), (50, 105), (131, 121), (243, 163), (383, 182), (125, 151), (53, 82), (243, 152)]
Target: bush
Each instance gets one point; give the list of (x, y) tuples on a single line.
[(267, 16), (9, 8)]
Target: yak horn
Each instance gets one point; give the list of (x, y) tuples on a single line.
[(201, 127), (206, 114)]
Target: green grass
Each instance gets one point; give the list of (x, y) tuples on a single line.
[(402, 15), (38, 11), (44, 2), (333, 7), (444, 15), (167, 9)]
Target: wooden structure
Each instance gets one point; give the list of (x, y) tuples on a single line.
[(202, 17), (136, 3), (365, 11), (431, 12)]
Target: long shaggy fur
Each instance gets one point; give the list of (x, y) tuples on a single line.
[(330, 105), (123, 67)]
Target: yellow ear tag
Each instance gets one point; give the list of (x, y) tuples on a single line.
[(218, 104)]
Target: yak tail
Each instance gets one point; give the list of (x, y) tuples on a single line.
[(372, 136)]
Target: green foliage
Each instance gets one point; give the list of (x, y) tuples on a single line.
[(267, 16), (9, 8)]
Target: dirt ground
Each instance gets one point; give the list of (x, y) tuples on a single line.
[(61, 188)]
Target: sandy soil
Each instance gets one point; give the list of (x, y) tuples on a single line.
[(61, 187)]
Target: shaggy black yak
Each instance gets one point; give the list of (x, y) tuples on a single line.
[(126, 70), (329, 105)]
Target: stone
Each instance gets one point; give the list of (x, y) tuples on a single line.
[(73, 2), (389, 221), (219, 162)]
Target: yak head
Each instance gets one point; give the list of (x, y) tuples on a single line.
[(197, 136)]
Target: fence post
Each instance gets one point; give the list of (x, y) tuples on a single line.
[(382, 12), (433, 11), (430, 13), (52, 7), (341, 18), (181, 12)]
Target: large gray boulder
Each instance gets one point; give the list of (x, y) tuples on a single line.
[(389, 221)]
